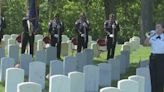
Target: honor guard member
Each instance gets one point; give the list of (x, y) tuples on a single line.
[(82, 28), (2, 26), (156, 40), (56, 28), (27, 35), (111, 27)]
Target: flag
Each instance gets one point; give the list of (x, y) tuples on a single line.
[(34, 13)]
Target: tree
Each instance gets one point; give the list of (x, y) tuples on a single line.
[(109, 7), (146, 17)]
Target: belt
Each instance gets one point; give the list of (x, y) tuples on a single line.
[(154, 54)]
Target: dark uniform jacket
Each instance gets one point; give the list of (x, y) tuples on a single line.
[(56, 27), (82, 27), (108, 28)]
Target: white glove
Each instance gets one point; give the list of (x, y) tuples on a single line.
[(82, 35), (111, 35), (113, 26), (84, 24), (150, 34), (56, 36), (116, 22)]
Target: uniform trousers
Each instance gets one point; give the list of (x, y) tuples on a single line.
[(25, 40), (157, 72), (56, 43), (111, 45), (82, 43)]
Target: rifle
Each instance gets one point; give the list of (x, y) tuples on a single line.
[(29, 28), (58, 29), (85, 31), (1, 23)]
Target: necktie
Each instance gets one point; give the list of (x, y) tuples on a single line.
[(158, 37)]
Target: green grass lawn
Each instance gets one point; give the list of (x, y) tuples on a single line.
[(140, 54)]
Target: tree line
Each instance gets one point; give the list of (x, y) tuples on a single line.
[(135, 16)]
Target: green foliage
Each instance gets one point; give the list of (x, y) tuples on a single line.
[(128, 15)]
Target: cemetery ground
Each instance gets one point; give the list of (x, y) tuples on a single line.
[(135, 57)]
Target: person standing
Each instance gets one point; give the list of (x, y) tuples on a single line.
[(27, 35), (111, 27), (156, 41), (56, 28), (2, 26), (82, 28)]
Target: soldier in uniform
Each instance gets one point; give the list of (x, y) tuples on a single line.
[(2, 26), (111, 27), (156, 41), (56, 28), (82, 28), (27, 35)]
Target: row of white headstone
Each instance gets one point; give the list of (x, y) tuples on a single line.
[(134, 83), (76, 82), (140, 82), (103, 73), (39, 45), (67, 46), (10, 40), (83, 59), (132, 45), (95, 76)]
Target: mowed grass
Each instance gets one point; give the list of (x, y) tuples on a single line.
[(135, 57)]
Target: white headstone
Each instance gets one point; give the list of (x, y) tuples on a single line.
[(51, 54), (2, 52), (3, 44), (91, 78), (81, 61), (110, 89), (140, 80), (69, 64), (59, 83), (11, 41), (14, 52), (115, 68), (40, 56), (125, 47), (123, 63), (105, 74), (29, 87), (6, 36), (14, 36), (14, 76), (144, 71), (5, 39), (56, 67), (94, 46), (144, 63), (77, 81), (89, 55), (24, 62), (126, 55), (64, 49), (38, 37), (128, 86), (40, 45), (37, 73), (65, 38), (5, 63)]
